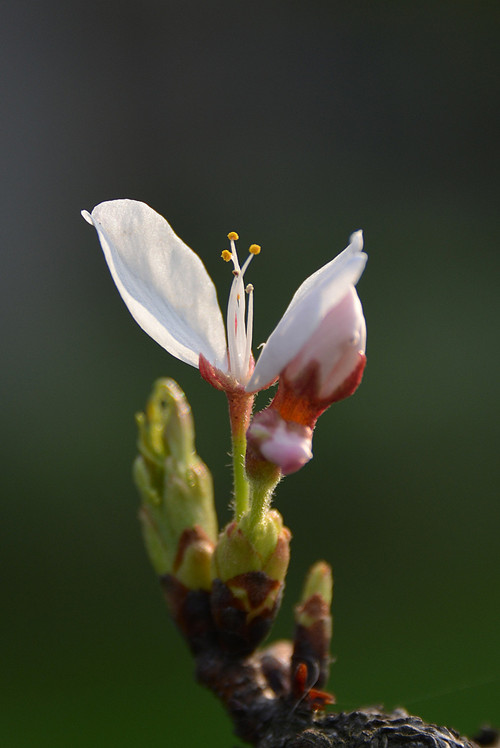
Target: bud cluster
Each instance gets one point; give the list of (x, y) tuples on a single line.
[(236, 577)]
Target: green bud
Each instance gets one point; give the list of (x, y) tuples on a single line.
[(242, 548), (318, 588), (174, 483), (313, 625), (249, 571), (192, 564), (159, 541)]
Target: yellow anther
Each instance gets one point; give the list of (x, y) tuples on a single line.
[(233, 236), (254, 249), (226, 255)]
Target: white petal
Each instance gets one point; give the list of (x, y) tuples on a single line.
[(334, 345), (163, 282), (311, 303)]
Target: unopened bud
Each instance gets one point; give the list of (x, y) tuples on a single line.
[(192, 564), (283, 443), (318, 584), (249, 571), (174, 483), (314, 625), (239, 551)]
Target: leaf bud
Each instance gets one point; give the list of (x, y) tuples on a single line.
[(249, 570), (174, 483)]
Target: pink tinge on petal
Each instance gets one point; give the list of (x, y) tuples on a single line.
[(333, 347), (288, 450), (287, 445), (319, 317)]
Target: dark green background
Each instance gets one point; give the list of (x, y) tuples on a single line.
[(293, 123)]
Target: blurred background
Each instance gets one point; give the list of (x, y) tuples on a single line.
[(293, 123)]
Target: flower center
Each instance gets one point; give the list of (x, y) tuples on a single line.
[(239, 329)]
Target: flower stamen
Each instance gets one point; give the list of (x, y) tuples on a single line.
[(239, 334), (248, 348)]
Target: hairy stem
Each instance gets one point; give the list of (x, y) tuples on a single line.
[(261, 492), (240, 410)]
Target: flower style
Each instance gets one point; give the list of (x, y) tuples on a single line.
[(170, 294)]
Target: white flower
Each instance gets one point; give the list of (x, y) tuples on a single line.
[(169, 292), (322, 332)]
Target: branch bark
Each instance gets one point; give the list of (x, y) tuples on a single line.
[(272, 696), (271, 717), (366, 728)]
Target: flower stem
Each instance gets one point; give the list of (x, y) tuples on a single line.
[(240, 410), (240, 483), (261, 494)]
